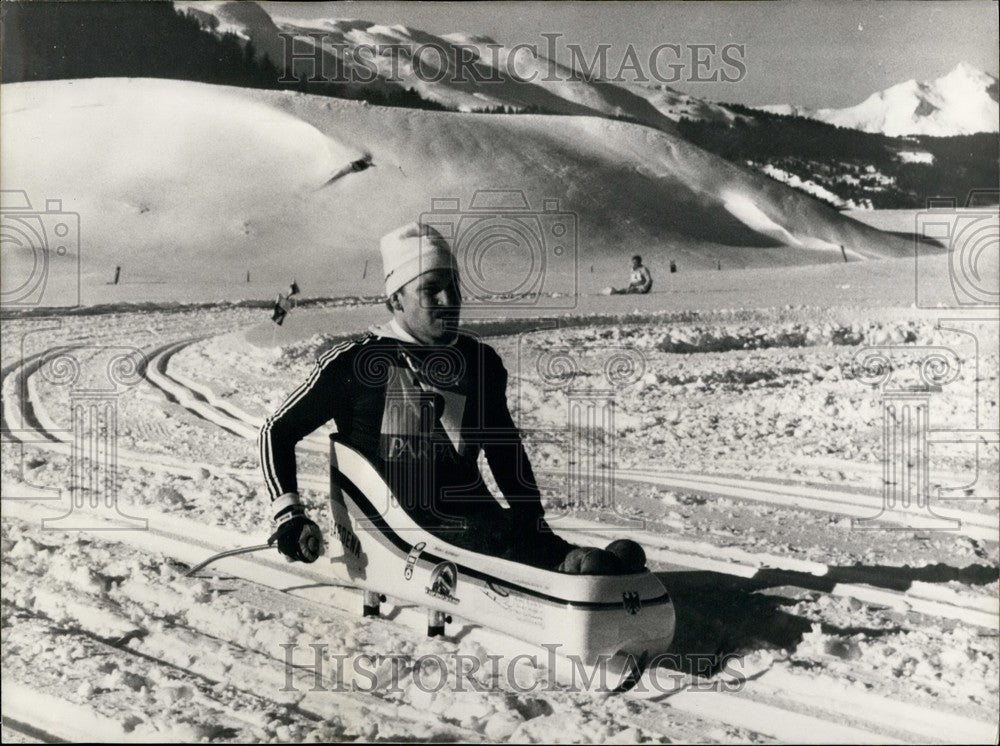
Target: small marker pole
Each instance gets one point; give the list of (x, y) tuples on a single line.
[(364, 273)]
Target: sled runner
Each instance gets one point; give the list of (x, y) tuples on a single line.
[(387, 554)]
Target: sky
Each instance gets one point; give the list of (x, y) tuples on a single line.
[(817, 54)]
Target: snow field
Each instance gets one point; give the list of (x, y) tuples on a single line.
[(620, 187), (766, 614)]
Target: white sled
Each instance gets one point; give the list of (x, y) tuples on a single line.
[(386, 552)]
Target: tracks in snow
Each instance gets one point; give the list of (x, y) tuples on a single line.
[(731, 561), (775, 704)]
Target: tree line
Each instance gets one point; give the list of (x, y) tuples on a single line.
[(837, 157), (151, 39)]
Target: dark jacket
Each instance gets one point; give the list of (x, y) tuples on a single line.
[(421, 414)]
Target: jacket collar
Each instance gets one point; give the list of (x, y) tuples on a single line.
[(393, 330)]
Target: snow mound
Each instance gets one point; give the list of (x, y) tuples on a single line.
[(463, 38), (163, 172), (182, 183), (746, 210)]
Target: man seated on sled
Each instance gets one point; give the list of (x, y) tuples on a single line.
[(420, 401)]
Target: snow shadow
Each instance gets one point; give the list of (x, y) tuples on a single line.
[(723, 615)]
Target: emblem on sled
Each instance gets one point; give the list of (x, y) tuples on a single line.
[(444, 578), (631, 602)]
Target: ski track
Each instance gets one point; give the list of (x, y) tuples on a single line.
[(774, 704)]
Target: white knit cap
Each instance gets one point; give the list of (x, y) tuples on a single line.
[(411, 250)]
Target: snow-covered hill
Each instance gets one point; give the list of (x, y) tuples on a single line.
[(185, 182), (499, 79), (962, 102)]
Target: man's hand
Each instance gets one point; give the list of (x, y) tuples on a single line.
[(298, 537)]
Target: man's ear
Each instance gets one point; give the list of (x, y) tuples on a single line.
[(393, 302)]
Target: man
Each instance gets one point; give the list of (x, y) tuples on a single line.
[(421, 401), (641, 280)]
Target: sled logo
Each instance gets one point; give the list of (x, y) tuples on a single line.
[(349, 541), (411, 559), (631, 602), (444, 578)]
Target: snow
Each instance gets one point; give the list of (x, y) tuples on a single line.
[(183, 176), (744, 441), (806, 185), (748, 212), (203, 225), (761, 397), (516, 79), (676, 105), (961, 102), (916, 156)]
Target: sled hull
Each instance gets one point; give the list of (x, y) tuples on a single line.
[(385, 551)]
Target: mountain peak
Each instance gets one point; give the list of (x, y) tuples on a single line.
[(964, 68), (966, 76), (960, 102)]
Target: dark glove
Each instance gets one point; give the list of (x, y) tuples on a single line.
[(298, 537), (590, 561)]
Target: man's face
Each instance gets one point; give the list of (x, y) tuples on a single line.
[(429, 307), (635, 264)]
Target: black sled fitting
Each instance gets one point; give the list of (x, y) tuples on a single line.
[(435, 623), (371, 603)]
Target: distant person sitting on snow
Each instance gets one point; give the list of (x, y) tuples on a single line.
[(640, 281), (420, 401)]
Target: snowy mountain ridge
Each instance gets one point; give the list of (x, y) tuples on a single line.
[(961, 102), (508, 79)]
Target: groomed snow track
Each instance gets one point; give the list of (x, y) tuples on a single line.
[(772, 703)]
